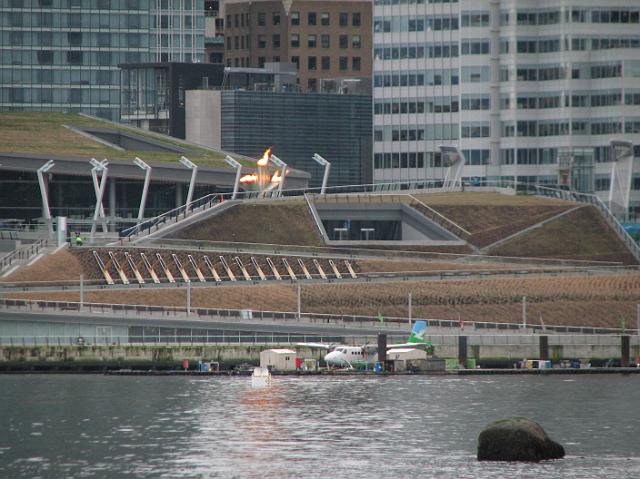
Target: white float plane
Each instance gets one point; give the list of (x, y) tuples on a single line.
[(349, 356)]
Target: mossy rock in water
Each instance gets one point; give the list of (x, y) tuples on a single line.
[(517, 439)]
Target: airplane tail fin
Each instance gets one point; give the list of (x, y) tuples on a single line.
[(418, 332)]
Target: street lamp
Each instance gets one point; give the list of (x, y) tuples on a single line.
[(145, 189), (234, 164), (283, 170), (43, 192), (187, 163), (327, 166), (340, 231), (366, 232)]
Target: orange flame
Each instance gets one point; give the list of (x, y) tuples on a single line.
[(265, 157), (252, 178), (276, 178)]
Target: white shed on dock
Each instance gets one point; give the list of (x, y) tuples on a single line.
[(278, 359), (407, 358)]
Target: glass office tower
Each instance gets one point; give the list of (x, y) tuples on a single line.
[(63, 55), (518, 85)]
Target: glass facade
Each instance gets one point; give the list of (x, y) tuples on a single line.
[(511, 84), (63, 55), (297, 125)]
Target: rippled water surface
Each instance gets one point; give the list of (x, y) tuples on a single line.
[(317, 427)]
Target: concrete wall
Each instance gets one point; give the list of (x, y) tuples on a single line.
[(203, 119)]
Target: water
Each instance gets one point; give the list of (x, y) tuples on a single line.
[(312, 427)]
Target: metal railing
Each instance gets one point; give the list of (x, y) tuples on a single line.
[(389, 322), (22, 253)]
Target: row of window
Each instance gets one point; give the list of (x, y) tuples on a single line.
[(242, 20), (442, 131), (59, 77), (426, 23), (243, 42), (51, 95), (437, 104), (411, 51), (75, 57), (113, 20), (412, 2), (416, 159), (446, 76), (594, 126)]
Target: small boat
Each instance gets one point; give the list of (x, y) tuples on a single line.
[(261, 378)]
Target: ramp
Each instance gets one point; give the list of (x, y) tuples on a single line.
[(335, 269), (304, 269), (163, 265), (184, 274), (258, 269), (319, 268), (350, 269), (276, 274), (197, 270), (242, 268), (150, 270), (103, 268), (214, 273), (134, 268), (232, 276), (114, 260), (289, 269)]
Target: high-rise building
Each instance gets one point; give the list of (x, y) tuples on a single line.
[(63, 55), (326, 39), (521, 87)]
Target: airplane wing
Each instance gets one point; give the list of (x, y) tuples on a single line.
[(315, 345)]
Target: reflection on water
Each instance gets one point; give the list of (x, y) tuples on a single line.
[(317, 427)]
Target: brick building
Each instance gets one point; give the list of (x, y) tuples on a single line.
[(326, 39)]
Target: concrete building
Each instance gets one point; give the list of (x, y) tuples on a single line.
[(529, 91), (326, 39), (63, 55), (153, 94), (294, 125)]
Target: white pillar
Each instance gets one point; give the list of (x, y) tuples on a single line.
[(299, 303), (524, 312), (44, 193), (189, 298), (410, 305)]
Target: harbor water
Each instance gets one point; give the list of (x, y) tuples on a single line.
[(89, 426)]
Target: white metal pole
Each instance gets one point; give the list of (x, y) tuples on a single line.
[(299, 303), (283, 172), (638, 319), (410, 309), (81, 291), (44, 193), (145, 187), (96, 188), (99, 196), (189, 298), (325, 178), (192, 185), (236, 183), (524, 312)]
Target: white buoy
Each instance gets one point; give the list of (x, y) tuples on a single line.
[(261, 378)]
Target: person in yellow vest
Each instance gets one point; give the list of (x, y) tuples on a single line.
[(78, 239)]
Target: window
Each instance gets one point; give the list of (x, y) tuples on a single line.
[(295, 18), (276, 40), (296, 61), (326, 63), (355, 41), (311, 18), (344, 63), (261, 62), (344, 19), (325, 41), (325, 19), (295, 40), (276, 18), (103, 77), (262, 19), (45, 57), (104, 39), (103, 58), (262, 41), (356, 64), (74, 58), (311, 41), (75, 95), (344, 41), (15, 38), (312, 84), (355, 19), (74, 20), (312, 63)]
